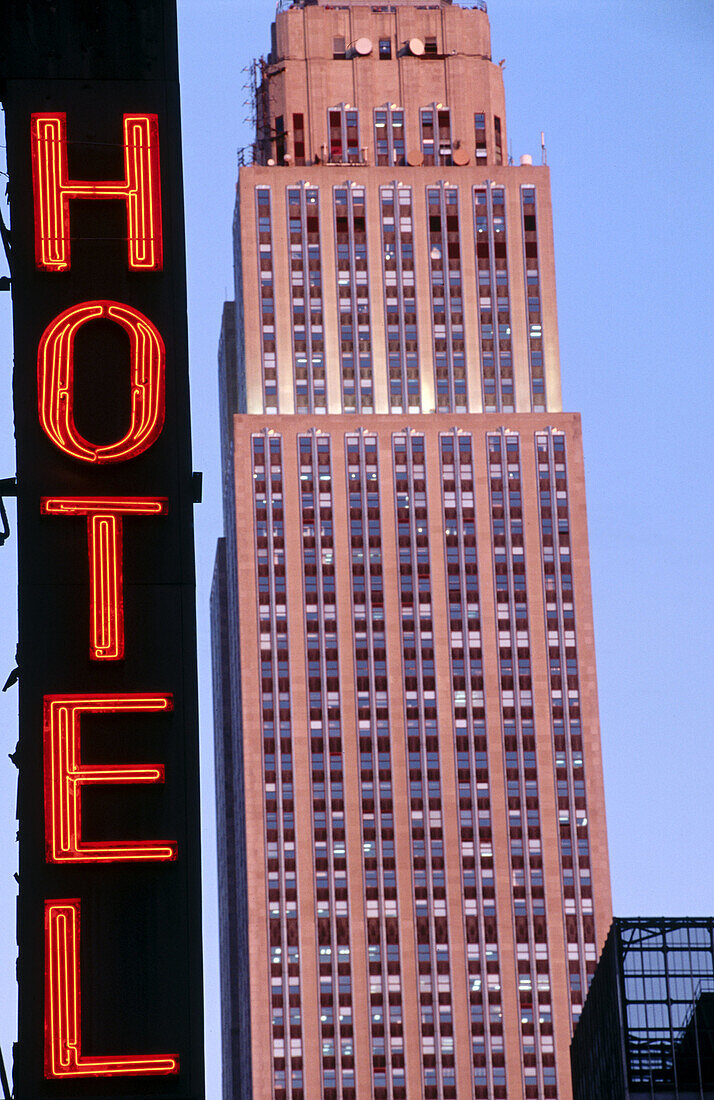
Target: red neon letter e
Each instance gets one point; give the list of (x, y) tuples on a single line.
[(63, 1012), (140, 190), (65, 775), (55, 382)]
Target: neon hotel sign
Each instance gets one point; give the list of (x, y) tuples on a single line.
[(66, 775)]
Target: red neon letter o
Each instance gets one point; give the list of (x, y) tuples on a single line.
[(55, 382)]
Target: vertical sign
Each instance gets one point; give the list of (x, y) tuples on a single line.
[(109, 921)]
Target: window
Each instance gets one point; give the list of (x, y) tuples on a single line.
[(436, 134), (389, 143), (494, 302), (430, 47), (499, 144), (267, 301), (535, 318), (427, 135), (444, 124), (353, 299), (446, 297), (305, 278), (339, 52), (385, 49), (480, 137), (343, 124), (280, 139), (299, 138), (283, 956), (399, 300), (336, 142)]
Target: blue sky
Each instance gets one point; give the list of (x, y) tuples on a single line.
[(623, 93)]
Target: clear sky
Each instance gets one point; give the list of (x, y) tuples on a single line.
[(622, 89)]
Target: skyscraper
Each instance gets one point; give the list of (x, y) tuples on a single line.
[(647, 1027), (413, 863)]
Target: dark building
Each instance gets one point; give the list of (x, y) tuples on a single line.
[(647, 1027)]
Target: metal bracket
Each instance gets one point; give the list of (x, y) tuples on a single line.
[(8, 488)]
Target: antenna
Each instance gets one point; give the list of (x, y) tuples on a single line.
[(250, 86), (543, 153)]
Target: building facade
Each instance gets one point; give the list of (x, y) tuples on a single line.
[(647, 1027), (413, 861)]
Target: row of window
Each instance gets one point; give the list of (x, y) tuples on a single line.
[(284, 961), (376, 792), (553, 497), (474, 787), (425, 793), (437, 143), (449, 341), (449, 347), (519, 744), (267, 297), (397, 226), (353, 300), (494, 299), (533, 297), (423, 752), (306, 299), (324, 702)]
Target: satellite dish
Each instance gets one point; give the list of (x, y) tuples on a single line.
[(460, 157), (416, 46), (363, 46), (271, 162), (415, 157)]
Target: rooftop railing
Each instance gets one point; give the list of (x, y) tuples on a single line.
[(286, 5)]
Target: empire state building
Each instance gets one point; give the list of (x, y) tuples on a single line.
[(414, 882)]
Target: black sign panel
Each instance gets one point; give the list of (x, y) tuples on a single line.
[(109, 921)]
